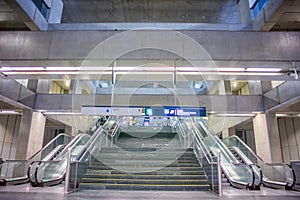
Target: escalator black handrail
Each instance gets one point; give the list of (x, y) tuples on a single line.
[(29, 159), (233, 182), (268, 164), (245, 145), (59, 159)]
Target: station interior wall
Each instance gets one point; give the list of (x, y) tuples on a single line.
[(289, 130), (9, 132)]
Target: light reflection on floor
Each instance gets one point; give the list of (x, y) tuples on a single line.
[(25, 192)]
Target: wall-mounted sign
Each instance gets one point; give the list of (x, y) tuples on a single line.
[(108, 111), (175, 111)]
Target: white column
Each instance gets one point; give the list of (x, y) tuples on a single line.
[(31, 134), (267, 137)]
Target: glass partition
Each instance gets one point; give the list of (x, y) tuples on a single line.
[(274, 175), (15, 171), (52, 172), (239, 175)]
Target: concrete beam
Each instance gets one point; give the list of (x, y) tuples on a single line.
[(217, 45), (15, 94), (216, 103), (285, 94)]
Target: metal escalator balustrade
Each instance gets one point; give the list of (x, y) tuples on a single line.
[(42, 173), (275, 175), (52, 172), (239, 175), (15, 172)]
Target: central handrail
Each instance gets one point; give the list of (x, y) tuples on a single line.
[(204, 157)]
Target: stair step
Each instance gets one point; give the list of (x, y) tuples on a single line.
[(145, 176), (104, 186), (145, 181), (145, 149), (148, 172), (139, 168), (139, 164), (130, 162)]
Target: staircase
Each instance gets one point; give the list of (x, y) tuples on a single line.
[(154, 163)]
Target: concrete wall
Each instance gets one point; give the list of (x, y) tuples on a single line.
[(289, 130), (9, 130)]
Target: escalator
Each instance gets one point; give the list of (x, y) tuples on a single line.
[(14, 172), (279, 175), (244, 176), (49, 173)]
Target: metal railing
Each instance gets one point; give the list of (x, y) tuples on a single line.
[(105, 137), (275, 175), (209, 163), (15, 171), (239, 175)]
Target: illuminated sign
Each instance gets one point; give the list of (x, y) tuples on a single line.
[(175, 111)]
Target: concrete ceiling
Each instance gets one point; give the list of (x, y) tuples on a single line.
[(287, 17), (200, 11), (10, 19)]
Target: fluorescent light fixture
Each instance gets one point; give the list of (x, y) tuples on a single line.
[(257, 113), (62, 68), (231, 69), (125, 68), (61, 113), (281, 115), (263, 69), (236, 115), (4, 69), (10, 112)]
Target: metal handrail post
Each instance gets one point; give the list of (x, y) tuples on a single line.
[(219, 174), (67, 178)]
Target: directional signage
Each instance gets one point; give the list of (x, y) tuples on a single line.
[(108, 111), (175, 111)]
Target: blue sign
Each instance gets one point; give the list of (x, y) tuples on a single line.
[(176, 111)]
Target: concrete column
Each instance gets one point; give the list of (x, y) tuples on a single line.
[(32, 85), (224, 87), (43, 86), (255, 88), (266, 86), (70, 131), (31, 134), (267, 137), (225, 133), (76, 87), (245, 12)]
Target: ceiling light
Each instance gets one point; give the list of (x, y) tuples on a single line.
[(235, 115), (10, 112), (5, 69), (62, 68), (61, 113), (263, 69), (231, 69)]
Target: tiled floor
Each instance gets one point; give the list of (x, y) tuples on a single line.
[(25, 192)]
